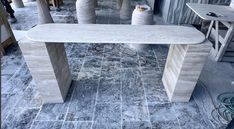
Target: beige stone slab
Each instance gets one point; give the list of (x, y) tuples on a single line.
[(101, 33), (49, 68), (182, 70)]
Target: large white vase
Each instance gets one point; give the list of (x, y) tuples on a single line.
[(125, 11), (142, 15), (86, 11)]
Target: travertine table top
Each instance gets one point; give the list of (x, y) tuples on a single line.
[(101, 33), (226, 12)]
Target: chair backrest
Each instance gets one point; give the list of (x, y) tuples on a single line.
[(232, 4)]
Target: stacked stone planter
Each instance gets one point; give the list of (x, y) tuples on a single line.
[(85, 11), (142, 15)]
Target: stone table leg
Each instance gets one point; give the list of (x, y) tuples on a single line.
[(182, 70), (48, 65)]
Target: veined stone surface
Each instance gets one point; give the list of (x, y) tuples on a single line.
[(145, 66)]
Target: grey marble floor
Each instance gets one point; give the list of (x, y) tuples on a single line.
[(114, 86)]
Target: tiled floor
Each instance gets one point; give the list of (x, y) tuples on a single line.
[(113, 87)]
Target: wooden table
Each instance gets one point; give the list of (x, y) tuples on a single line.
[(225, 16), (43, 50)]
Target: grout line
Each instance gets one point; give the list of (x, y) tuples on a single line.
[(173, 104), (143, 85), (36, 117), (121, 105), (96, 98), (160, 70), (69, 103)]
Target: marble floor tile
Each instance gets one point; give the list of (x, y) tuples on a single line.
[(146, 51), (89, 73), (82, 104), (112, 51), (20, 118), (109, 92), (189, 116), (155, 93), (137, 125), (31, 97), (107, 113), (151, 70), (75, 64), (92, 62), (126, 51), (128, 62), (111, 73), (135, 112), (106, 125), (165, 124), (8, 102), (76, 50), (77, 125), (95, 50), (133, 92), (162, 116), (18, 82), (148, 61), (110, 62), (153, 78), (162, 64), (54, 112), (47, 125)]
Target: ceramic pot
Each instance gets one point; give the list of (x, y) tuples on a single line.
[(125, 11), (85, 12)]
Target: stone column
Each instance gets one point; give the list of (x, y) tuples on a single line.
[(85, 12), (182, 70), (43, 12), (125, 11), (119, 4), (18, 3), (142, 15)]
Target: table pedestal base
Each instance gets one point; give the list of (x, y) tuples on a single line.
[(183, 68), (49, 68)]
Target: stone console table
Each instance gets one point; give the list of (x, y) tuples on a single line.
[(46, 57)]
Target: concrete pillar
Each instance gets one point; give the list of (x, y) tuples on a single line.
[(43, 12), (119, 4), (182, 70), (18, 3), (85, 11), (125, 11)]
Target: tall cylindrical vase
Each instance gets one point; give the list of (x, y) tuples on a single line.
[(119, 4), (43, 12), (95, 3), (125, 11), (85, 12), (142, 15), (18, 3)]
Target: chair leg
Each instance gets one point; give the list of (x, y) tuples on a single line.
[(224, 46), (209, 30)]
